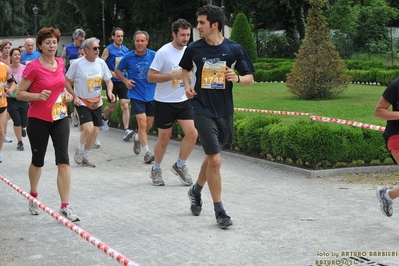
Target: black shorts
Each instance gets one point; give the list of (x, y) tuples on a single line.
[(119, 90), (140, 107), (18, 111), (214, 133), (167, 113), (89, 115), (39, 132)]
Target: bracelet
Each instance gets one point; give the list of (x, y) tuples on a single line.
[(238, 81)]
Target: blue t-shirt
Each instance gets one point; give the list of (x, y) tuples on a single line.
[(115, 55), (72, 53), (27, 58), (137, 67), (215, 101)]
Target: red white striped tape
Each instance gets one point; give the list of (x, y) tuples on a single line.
[(313, 117), (346, 122), (119, 257)]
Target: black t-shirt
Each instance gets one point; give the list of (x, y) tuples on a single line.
[(215, 98), (391, 94)]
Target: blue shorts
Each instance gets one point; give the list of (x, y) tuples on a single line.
[(140, 107)]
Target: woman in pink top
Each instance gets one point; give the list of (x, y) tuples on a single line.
[(18, 110), (47, 117)]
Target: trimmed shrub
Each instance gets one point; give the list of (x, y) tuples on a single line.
[(241, 33)]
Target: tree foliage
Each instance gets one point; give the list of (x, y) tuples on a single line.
[(318, 71), (241, 33)]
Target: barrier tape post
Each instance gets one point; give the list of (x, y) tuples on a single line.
[(116, 255)]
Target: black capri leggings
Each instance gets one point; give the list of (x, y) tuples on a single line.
[(18, 111), (39, 132)]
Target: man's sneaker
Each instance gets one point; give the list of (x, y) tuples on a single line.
[(386, 205), (68, 213), (156, 176), (78, 156), (136, 144), (33, 208), (23, 132), (196, 202), (7, 139), (128, 134), (182, 173), (223, 219), (75, 119), (104, 125), (20, 146), (97, 144), (1, 158), (86, 162), (148, 157)]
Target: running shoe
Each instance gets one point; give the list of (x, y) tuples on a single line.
[(183, 174)]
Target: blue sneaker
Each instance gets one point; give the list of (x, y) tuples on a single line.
[(196, 202), (386, 205), (223, 220)]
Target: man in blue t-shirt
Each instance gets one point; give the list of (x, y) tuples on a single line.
[(215, 59), (136, 63), (112, 55), (30, 54), (71, 50)]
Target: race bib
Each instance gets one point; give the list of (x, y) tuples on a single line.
[(59, 109), (3, 96), (177, 83), (94, 82), (212, 76)]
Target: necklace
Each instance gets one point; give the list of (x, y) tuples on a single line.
[(50, 65)]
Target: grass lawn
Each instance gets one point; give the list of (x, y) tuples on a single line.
[(357, 103)]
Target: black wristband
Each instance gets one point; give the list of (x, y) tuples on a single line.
[(238, 81)]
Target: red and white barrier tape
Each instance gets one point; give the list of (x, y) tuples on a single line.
[(270, 111), (122, 259), (313, 117), (346, 122)]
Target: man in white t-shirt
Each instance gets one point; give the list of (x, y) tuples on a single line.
[(88, 72), (171, 103)]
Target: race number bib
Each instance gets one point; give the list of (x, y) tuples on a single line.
[(94, 82), (212, 76), (3, 97), (59, 109), (177, 83)]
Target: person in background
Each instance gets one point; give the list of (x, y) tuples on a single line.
[(5, 47), (112, 54), (43, 85), (71, 50), (141, 92), (388, 109), (87, 74), (5, 78), (215, 59), (21, 48), (18, 110), (29, 54), (171, 103)]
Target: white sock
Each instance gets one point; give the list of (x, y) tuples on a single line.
[(386, 195), (136, 137), (146, 148), (81, 146), (156, 166), (86, 153)]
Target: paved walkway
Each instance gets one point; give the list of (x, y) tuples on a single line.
[(281, 217)]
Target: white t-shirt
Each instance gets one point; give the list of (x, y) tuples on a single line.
[(166, 59), (88, 77)]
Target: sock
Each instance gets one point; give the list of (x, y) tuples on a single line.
[(146, 148), (64, 205), (197, 189), (387, 195), (86, 153), (127, 129), (34, 194), (136, 137), (180, 163), (218, 207), (156, 166), (81, 146)]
